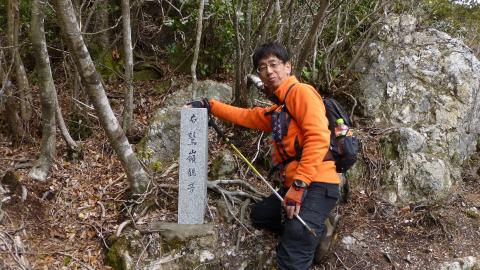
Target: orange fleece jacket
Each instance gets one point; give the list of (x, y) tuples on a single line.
[(310, 127)]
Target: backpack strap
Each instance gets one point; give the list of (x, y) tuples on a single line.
[(298, 149), (286, 94)]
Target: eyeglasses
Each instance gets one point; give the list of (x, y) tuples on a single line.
[(273, 65)]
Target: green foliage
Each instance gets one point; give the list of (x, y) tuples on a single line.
[(24, 8), (25, 16), (3, 15), (339, 40), (216, 45), (108, 67), (459, 20), (342, 35)]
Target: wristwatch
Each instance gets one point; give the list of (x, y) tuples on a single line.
[(297, 184)]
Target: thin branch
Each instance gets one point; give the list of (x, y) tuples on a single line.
[(104, 30), (141, 254)]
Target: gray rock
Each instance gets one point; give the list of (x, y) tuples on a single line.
[(172, 246), (418, 178), (183, 232), (160, 147), (224, 165), (207, 89), (425, 85), (467, 263), (349, 242)]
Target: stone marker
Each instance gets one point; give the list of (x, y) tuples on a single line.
[(192, 186)]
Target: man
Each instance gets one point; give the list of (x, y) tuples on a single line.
[(301, 140)]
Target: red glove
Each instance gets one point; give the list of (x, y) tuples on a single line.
[(295, 193)]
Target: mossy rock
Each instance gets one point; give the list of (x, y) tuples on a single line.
[(146, 75), (356, 174), (389, 148), (110, 67), (223, 165), (115, 256)]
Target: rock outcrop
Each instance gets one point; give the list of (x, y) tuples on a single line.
[(160, 146), (424, 86)]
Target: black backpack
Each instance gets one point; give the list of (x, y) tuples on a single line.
[(343, 150)]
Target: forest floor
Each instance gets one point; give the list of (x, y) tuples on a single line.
[(65, 222)]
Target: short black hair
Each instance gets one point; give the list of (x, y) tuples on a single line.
[(270, 48)]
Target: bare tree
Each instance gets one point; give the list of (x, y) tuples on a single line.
[(91, 80), (261, 30), (102, 24), (193, 67), (23, 87), (127, 49), (241, 99), (4, 78), (47, 93), (12, 109), (311, 38)]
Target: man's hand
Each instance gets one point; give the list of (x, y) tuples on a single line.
[(294, 197), (202, 103)]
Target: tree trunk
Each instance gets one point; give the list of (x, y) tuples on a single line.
[(264, 24), (14, 121), (193, 67), (47, 93), (91, 80), (247, 51), (21, 79), (241, 98), (11, 109), (4, 78), (127, 49), (17, 132), (311, 38), (102, 24)]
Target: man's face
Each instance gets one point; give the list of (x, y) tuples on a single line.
[(273, 72)]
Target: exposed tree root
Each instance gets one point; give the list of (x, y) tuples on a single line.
[(14, 246)]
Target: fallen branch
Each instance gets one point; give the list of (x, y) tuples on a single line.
[(242, 218), (113, 182), (21, 160), (103, 209), (122, 226), (213, 184), (169, 169), (75, 259), (16, 249), (141, 254), (338, 258), (23, 165), (231, 213)]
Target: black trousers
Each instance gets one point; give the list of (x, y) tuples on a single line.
[(296, 248)]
